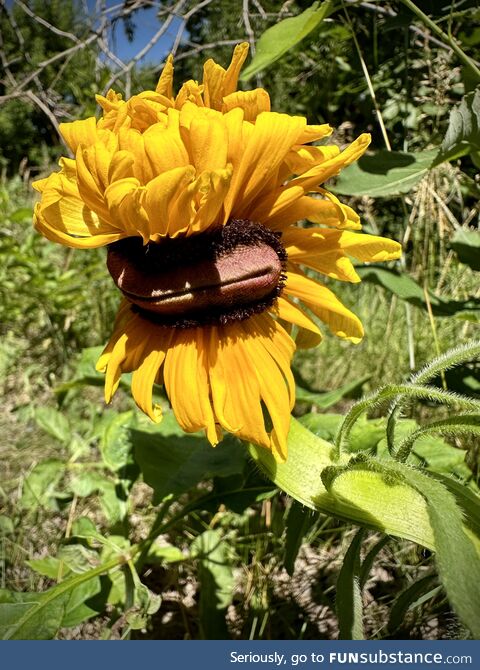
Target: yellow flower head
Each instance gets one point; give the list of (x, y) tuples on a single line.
[(198, 197)]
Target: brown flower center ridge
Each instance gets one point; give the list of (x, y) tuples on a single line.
[(217, 276)]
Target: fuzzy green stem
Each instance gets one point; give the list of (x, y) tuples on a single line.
[(463, 423), (449, 359), (391, 391), (443, 36)]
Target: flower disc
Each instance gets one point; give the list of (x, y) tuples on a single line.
[(215, 277)]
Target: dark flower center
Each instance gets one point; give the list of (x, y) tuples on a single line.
[(218, 276)]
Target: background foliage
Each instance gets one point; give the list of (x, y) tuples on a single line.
[(115, 528)]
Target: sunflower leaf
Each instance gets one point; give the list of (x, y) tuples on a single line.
[(281, 37), (172, 462), (384, 173), (456, 555), (388, 496), (407, 289), (38, 616), (354, 495), (463, 132), (466, 244), (329, 398)]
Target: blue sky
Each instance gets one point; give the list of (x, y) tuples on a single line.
[(146, 25)]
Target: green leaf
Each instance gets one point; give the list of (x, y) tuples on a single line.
[(216, 583), (281, 37), (78, 558), (329, 398), (39, 616), (115, 443), (6, 525), (369, 560), (349, 595), (173, 462), (39, 488), (384, 173), (112, 494), (146, 604), (21, 214), (48, 566), (164, 553), (467, 500), (299, 520), (84, 528), (407, 289), (456, 556), (409, 599), (77, 609), (54, 423), (463, 132), (353, 496), (466, 244), (365, 435)]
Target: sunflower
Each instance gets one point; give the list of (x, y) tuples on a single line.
[(197, 198)]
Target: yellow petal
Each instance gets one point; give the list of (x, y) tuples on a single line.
[(289, 205), (121, 167), (93, 164), (186, 382), (50, 222), (165, 148), (238, 404), (219, 82), (124, 315), (190, 92), (273, 391), (212, 189), (219, 377), (317, 175), (320, 250), (341, 321), (157, 341), (277, 341), (314, 133), (124, 198), (236, 136), (79, 132), (207, 143), (125, 349), (160, 196), (111, 102), (370, 248), (252, 102), (63, 217), (239, 56), (133, 142), (287, 311), (301, 159), (165, 83), (271, 138)]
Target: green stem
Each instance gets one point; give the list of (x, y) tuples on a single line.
[(443, 36), (155, 531), (445, 362), (464, 423), (393, 391)]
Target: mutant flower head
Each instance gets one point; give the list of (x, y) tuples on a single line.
[(197, 198)]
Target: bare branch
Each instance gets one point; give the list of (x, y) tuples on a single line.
[(45, 23), (248, 27)]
